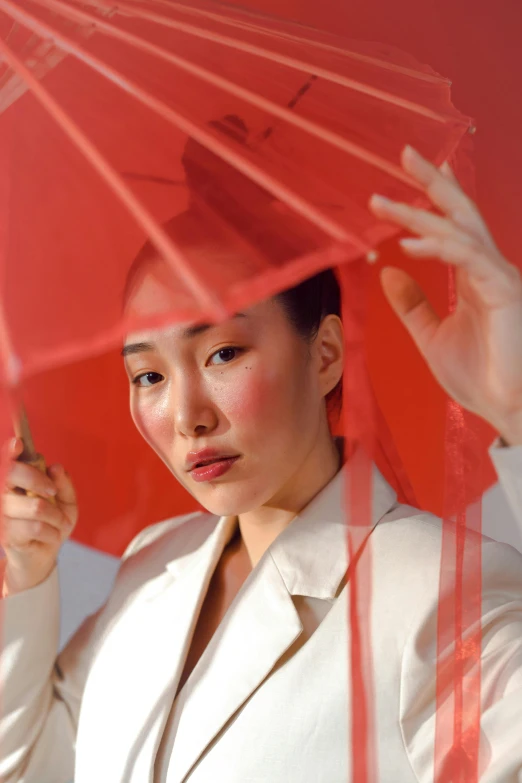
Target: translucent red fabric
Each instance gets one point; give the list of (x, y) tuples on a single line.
[(113, 119)]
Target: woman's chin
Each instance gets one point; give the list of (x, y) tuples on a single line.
[(225, 500)]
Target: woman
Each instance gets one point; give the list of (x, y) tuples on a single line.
[(221, 654)]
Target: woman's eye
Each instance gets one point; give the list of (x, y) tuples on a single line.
[(224, 355), (152, 379)]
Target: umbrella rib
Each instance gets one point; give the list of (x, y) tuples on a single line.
[(9, 362), (266, 31), (290, 62), (157, 235), (351, 148), (7, 354), (206, 139)]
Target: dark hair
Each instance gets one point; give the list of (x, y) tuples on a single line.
[(306, 304)]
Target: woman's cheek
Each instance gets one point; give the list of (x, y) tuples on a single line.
[(252, 396), (153, 424)]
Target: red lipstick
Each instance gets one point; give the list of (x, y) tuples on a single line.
[(209, 464)]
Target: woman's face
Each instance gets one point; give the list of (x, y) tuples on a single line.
[(233, 409)]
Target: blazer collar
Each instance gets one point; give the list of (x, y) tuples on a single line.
[(308, 558), (312, 552), (206, 545)]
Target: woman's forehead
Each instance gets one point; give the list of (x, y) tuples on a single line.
[(180, 331), (155, 292), (250, 319), (158, 289)]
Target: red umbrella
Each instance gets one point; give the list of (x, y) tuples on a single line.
[(296, 128), (93, 238)]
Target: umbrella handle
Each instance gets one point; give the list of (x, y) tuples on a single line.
[(29, 455)]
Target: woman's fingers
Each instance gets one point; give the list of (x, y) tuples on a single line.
[(445, 192), (409, 302), (22, 533), (418, 221), (450, 250), (15, 447), (448, 172), (488, 268), (33, 526), (65, 492), (26, 520), (27, 477), (460, 238), (22, 507)]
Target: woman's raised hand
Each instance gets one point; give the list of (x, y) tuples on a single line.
[(475, 353), (34, 528)]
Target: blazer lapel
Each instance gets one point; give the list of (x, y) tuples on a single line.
[(144, 653), (309, 558), (142, 661), (260, 625)]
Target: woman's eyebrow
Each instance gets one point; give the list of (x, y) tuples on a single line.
[(193, 331), (190, 331), (136, 348)]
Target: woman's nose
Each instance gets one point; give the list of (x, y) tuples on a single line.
[(194, 413)]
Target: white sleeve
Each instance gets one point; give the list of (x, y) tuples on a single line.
[(41, 692), (422, 696)]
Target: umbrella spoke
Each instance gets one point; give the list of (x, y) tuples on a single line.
[(117, 184), (283, 113), (205, 138), (290, 62)]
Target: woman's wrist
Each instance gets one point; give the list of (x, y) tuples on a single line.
[(18, 582)]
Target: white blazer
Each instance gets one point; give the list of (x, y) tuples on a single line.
[(269, 700)]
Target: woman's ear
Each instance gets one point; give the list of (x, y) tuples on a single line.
[(328, 351)]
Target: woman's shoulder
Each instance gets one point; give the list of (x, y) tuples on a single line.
[(154, 549), (414, 545)]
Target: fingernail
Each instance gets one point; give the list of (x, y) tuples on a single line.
[(381, 200), (50, 490), (413, 152)]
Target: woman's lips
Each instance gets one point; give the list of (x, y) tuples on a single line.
[(213, 470)]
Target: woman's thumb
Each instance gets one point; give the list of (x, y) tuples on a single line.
[(409, 302)]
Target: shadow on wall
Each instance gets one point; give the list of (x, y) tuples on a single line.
[(498, 520), (86, 579)]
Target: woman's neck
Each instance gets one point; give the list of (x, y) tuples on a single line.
[(261, 527)]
